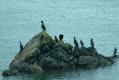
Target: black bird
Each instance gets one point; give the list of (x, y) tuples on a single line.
[(115, 51), (56, 39), (43, 25), (82, 44), (75, 42), (61, 37), (21, 47), (92, 43)]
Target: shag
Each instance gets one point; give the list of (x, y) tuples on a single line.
[(92, 43), (43, 26), (61, 37), (82, 44), (115, 51), (56, 39), (75, 42), (21, 47)]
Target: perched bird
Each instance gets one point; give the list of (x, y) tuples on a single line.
[(115, 51), (61, 37), (82, 44), (56, 39), (21, 47), (75, 42), (92, 43), (43, 26)]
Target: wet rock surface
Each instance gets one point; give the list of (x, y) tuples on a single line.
[(42, 53)]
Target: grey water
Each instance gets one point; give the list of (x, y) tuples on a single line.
[(85, 19)]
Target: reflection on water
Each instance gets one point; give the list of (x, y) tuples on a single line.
[(74, 74)]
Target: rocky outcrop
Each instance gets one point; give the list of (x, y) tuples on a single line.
[(42, 53)]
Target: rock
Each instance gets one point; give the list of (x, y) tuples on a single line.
[(36, 68), (87, 61), (46, 61), (67, 47), (60, 54), (27, 55), (10, 72), (105, 61), (49, 63), (26, 68), (6, 73), (42, 53)]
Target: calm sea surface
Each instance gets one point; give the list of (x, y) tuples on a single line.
[(85, 19)]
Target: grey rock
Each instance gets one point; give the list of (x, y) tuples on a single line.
[(42, 53)]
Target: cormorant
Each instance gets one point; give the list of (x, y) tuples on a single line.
[(115, 51), (92, 43), (75, 42), (61, 37), (21, 47), (56, 39), (82, 44), (43, 26)]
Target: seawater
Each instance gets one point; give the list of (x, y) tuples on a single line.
[(85, 19)]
